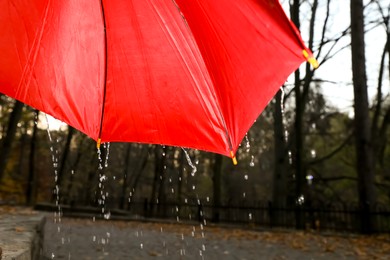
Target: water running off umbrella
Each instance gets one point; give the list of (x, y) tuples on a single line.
[(103, 155)]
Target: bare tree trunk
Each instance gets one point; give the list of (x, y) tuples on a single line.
[(31, 179), (298, 133), (6, 144), (180, 181), (65, 155), (158, 176), (161, 167), (280, 171), (217, 171), (364, 152), (125, 177)]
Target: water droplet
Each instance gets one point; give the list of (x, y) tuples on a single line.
[(247, 144), (309, 179), (142, 246), (290, 160), (252, 162), (194, 169), (107, 146), (107, 215), (301, 200)]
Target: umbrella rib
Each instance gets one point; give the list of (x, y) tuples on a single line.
[(105, 74)]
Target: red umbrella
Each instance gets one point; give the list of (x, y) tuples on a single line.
[(190, 73)]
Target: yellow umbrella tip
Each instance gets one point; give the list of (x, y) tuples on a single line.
[(234, 159), (313, 62)]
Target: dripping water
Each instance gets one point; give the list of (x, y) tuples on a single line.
[(194, 169), (54, 158)]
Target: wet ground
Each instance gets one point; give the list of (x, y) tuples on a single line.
[(89, 239)]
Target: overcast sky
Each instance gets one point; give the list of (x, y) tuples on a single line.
[(339, 68)]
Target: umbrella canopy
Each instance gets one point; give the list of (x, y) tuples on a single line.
[(185, 73)]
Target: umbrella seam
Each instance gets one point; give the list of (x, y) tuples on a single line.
[(218, 101), (32, 57), (105, 73)]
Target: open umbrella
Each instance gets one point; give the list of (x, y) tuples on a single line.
[(190, 73)]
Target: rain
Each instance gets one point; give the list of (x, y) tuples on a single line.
[(167, 129)]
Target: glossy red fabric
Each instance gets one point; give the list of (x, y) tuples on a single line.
[(184, 73)]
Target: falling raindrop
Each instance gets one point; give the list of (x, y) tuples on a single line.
[(247, 144), (99, 154), (54, 156), (282, 99), (107, 146), (107, 215), (290, 160), (194, 169), (313, 153), (252, 162), (301, 200), (309, 179)]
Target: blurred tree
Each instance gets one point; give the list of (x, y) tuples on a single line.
[(6, 142), (364, 152)]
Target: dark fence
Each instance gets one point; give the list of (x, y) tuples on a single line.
[(336, 216)]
